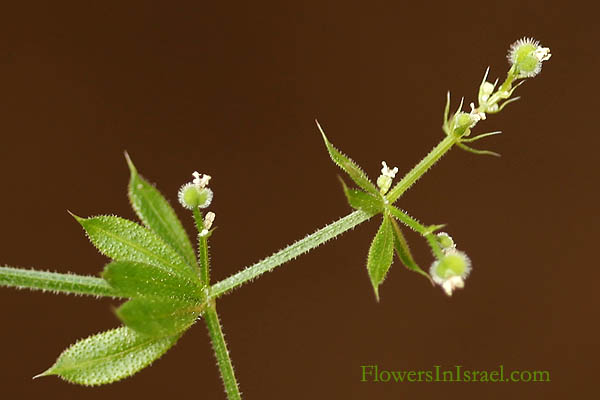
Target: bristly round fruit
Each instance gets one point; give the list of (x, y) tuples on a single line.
[(196, 194), (526, 55), (451, 270)]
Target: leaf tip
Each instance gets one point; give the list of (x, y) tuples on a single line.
[(322, 132), (77, 218), (47, 372), (344, 186), (376, 291), (130, 163)]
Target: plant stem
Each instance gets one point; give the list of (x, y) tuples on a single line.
[(198, 220), (203, 261), (330, 231), (290, 252), (220, 347), (88, 285), (55, 282), (203, 264), (418, 170)]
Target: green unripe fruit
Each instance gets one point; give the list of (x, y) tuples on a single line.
[(528, 66), (191, 197), (445, 241), (463, 122), (523, 52), (453, 263), (527, 55)]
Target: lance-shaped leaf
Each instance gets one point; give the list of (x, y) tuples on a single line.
[(360, 200), (56, 282), (158, 215), (158, 317), (133, 279), (403, 251), (350, 167), (121, 239), (381, 254), (109, 356)]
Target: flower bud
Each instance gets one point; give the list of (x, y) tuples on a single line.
[(209, 219), (384, 182), (487, 88), (485, 91), (462, 122)]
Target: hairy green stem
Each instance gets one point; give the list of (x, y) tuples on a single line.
[(219, 345), (55, 282), (203, 260), (290, 252), (202, 249), (98, 287), (330, 231), (435, 246), (198, 219), (418, 170)]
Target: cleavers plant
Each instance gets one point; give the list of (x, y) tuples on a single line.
[(166, 282)]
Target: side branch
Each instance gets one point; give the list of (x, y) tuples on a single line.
[(419, 170), (290, 252)]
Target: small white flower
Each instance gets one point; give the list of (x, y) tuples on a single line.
[(542, 53), (450, 284), (475, 114), (200, 182), (386, 171)]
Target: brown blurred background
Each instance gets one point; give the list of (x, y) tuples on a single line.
[(232, 90)]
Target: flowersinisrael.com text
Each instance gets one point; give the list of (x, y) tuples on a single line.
[(456, 373)]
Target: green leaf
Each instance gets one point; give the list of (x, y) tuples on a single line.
[(124, 240), (350, 167), (108, 357), (158, 317), (381, 254), (477, 151), (360, 200), (446, 126), (158, 215), (134, 279), (403, 251), (56, 282)]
